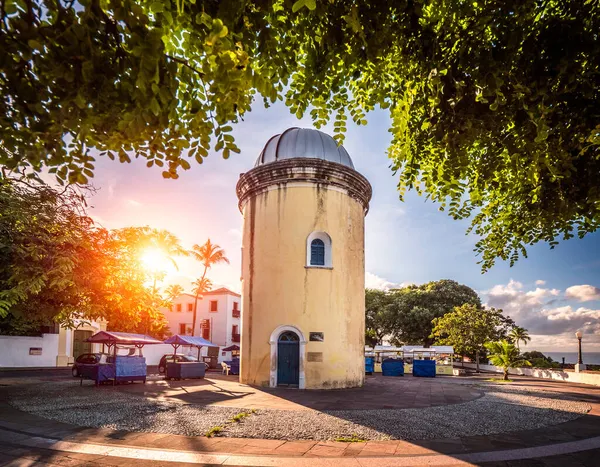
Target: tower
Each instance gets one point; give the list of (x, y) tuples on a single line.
[(303, 268)]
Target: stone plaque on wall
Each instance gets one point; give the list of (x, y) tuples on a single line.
[(314, 356)]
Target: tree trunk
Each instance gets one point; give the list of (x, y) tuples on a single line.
[(194, 316), (505, 378), (477, 359), (196, 301)]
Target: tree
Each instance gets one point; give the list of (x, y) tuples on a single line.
[(47, 244), (158, 247), (519, 334), (493, 104), (58, 267), (505, 355), (469, 327), (173, 291), (539, 360), (208, 254), (378, 322), (413, 308)]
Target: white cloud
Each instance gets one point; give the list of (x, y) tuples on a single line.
[(132, 202), (583, 293), (549, 325), (235, 233), (373, 281), (540, 282)]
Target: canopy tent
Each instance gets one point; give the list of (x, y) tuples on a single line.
[(123, 367), (124, 338), (195, 341), (232, 348)]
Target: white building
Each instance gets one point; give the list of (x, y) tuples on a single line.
[(55, 347), (217, 318)]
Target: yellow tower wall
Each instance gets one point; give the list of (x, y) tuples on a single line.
[(278, 288)]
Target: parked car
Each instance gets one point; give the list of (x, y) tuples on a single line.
[(162, 365), (87, 359)]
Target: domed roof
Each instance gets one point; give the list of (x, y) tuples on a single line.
[(304, 143)]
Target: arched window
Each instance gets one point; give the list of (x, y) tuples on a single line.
[(289, 336), (317, 253), (318, 250)]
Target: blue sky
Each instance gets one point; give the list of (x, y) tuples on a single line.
[(406, 242)]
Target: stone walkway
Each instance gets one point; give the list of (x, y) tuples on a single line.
[(27, 439), (379, 393)]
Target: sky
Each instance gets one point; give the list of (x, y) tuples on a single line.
[(552, 293)]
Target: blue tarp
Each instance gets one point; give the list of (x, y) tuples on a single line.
[(130, 366), (178, 339), (234, 366), (392, 367), (424, 368), (369, 365)]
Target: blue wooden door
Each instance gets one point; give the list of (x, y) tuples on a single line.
[(288, 359)]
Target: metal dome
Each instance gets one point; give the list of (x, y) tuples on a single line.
[(303, 143)]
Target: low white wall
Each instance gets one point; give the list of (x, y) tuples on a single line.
[(153, 353), (558, 375), (14, 351)]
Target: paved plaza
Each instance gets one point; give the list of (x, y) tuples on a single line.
[(50, 419)]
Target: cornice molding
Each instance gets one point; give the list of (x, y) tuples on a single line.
[(304, 170)]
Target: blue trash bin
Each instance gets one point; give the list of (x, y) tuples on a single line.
[(392, 367), (424, 368), (369, 365)]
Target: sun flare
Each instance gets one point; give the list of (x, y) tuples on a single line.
[(155, 260)]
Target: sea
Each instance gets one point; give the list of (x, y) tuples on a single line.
[(591, 358)]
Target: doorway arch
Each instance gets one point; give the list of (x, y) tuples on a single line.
[(284, 336), (288, 359)]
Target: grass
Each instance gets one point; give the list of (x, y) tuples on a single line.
[(239, 417), (215, 430), (352, 439), (499, 380)]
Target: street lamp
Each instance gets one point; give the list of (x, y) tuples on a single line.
[(580, 366)]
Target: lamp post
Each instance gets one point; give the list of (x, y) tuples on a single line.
[(580, 365)]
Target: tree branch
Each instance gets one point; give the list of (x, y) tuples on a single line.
[(185, 63)]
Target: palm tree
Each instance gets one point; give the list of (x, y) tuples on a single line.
[(519, 334), (208, 254), (200, 287), (505, 355), (173, 291)]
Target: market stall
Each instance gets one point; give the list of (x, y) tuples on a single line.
[(180, 370), (441, 357), (428, 361), (115, 366)]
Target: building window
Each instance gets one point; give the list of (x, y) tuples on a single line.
[(179, 307), (214, 305), (317, 253), (318, 250), (235, 306), (206, 333), (190, 307), (235, 329), (182, 328)]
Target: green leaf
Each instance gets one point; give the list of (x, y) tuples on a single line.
[(157, 7), (297, 5), (35, 44)]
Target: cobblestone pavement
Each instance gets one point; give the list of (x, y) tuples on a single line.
[(439, 409), (27, 438)]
